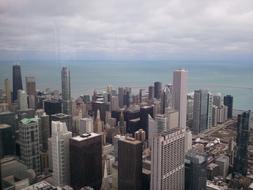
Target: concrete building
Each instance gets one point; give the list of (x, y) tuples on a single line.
[(86, 161), (180, 95), (31, 91), (7, 140), (60, 152), (188, 140), (223, 163), (161, 123), (86, 125), (63, 118), (22, 100), (167, 160), (7, 88), (172, 118), (29, 143), (114, 103), (129, 164)]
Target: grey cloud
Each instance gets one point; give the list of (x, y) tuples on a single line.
[(126, 28)]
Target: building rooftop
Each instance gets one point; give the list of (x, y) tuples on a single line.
[(85, 136), (130, 140), (4, 126), (60, 115), (26, 121)]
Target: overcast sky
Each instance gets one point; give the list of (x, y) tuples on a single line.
[(126, 29)]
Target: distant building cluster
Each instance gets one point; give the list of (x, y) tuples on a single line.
[(162, 138)]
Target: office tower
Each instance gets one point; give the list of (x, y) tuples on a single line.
[(217, 101), (215, 116), (244, 122), (222, 113), (152, 130), (86, 161), (22, 100), (98, 125), (116, 139), (16, 81), (157, 89), (52, 106), (8, 92), (127, 94), (161, 123), (60, 152), (121, 96), (195, 171), (151, 92), (164, 99), (223, 162), (140, 135), (188, 140), (201, 111), (29, 143), (167, 160), (122, 124), (86, 125), (144, 112), (63, 118), (102, 107), (228, 101), (31, 91), (129, 164), (66, 91), (189, 116), (180, 95), (114, 103), (44, 131), (210, 111), (172, 118), (7, 140)]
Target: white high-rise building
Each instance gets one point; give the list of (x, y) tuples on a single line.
[(161, 123), (114, 103), (86, 125), (188, 140), (172, 118), (60, 152), (210, 111), (180, 95), (152, 130), (167, 160), (22, 100)]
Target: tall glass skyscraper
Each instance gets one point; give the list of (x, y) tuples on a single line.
[(16, 80), (66, 95)]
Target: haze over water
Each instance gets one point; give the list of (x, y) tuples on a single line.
[(233, 78)]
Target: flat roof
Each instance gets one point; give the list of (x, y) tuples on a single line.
[(80, 138)]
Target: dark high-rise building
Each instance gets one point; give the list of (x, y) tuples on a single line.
[(7, 140), (151, 92), (243, 132), (121, 96), (52, 106), (44, 131), (102, 107), (66, 91), (195, 171), (16, 81), (129, 164), (228, 101), (127, 93), (144, 112), (86, 161), (158, 90)]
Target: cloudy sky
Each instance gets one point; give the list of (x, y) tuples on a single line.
[(126, 29)]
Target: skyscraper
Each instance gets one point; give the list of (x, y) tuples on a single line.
[(31, 91), (60, 152), (86, 125), (228, 101), (157, 89), (7, 92), (121, 96), (22, 100), (151, 92), (129, 164), (66, 91), (98, 126), (180, 95), (244, 121), (195, 171), (16, 80), (200, 111), (29, 143), (167, 160), (86, 161)]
